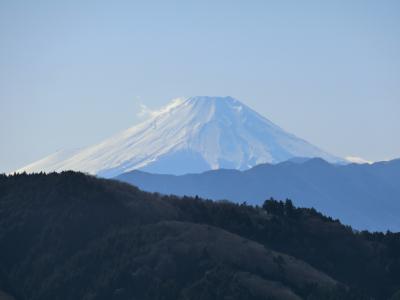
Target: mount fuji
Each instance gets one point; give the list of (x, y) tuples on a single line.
[(189, 135)]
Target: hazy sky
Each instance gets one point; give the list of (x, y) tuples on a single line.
[(75, 72)]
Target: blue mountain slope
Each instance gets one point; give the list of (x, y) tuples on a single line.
[(363, 196)]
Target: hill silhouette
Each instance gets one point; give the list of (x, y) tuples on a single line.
[(73, 236)]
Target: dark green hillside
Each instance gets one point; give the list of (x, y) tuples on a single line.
[(72, 236)]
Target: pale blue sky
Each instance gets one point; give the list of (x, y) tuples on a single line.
[(75, 72)]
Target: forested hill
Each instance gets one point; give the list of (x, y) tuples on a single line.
[(72, 236)]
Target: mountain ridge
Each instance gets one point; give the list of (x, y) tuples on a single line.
[(365, 196)]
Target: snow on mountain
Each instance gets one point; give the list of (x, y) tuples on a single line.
[(189, 135), (357, 160)]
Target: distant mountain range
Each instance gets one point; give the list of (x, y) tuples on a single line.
[(190, 135), (365, 196)]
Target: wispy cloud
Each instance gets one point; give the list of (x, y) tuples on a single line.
[(146, 112)]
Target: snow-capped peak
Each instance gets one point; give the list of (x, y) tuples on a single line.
[(188, 135)]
